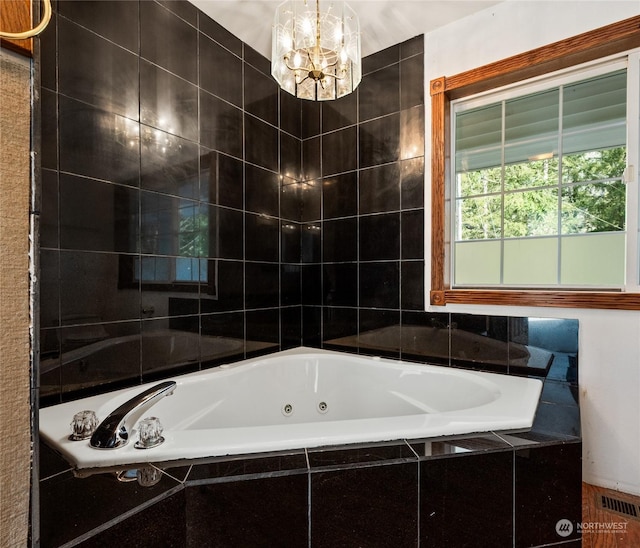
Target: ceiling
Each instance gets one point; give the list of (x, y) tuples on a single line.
[(382, 23)]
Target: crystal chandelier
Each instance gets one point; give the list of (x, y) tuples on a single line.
[(316, 54)]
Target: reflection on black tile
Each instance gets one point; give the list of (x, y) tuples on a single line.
[(113, 19), (168, 41), (379, 285), (339, 151), (168, 102), (228, 292), (379, 93), (221, 179), (340, 113), (340, 195), (473, 443), (340, 241), (173, 226), (412, 223), (339, 323), (83, 511), (479, 342), (263, 281), (425, 336), (412, 183), (412, 133), (168, 163), (240, 465), (452, 491), (97, 216), (85, 291), (163, 523), (262, 238), (222, 337), (380, 189), (262, 190), (260, 95), (340, 284), (380, 141), (374, 506), (170, 345), (261, 143), (236, 514), (548, 488), (559, 421), (96, 71), (379, 237), (379, 333), (93, 143), (359, 454), (110, 354), (220, 125)]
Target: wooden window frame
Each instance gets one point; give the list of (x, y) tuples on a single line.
[(15, 16), (589, 46)]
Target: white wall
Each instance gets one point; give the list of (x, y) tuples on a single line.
[(609, 352)]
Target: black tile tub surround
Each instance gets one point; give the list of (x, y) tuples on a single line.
[(457, 491)]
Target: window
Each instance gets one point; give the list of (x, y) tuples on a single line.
[(538, 193), (523, 210)]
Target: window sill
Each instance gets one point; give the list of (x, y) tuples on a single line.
[(552, 299)]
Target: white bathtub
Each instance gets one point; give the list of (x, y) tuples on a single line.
[(334, 398)]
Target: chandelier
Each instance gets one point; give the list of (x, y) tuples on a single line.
[(316, 54)]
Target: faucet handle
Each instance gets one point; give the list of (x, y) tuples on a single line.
[(149, 433), (83, 425)]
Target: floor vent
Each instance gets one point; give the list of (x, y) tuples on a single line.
[(622, 507)]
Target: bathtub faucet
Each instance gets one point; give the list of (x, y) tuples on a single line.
[(113, 432)]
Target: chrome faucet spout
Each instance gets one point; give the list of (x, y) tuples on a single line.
[(114, 431)]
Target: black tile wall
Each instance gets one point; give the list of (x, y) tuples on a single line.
[(162, 156)]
